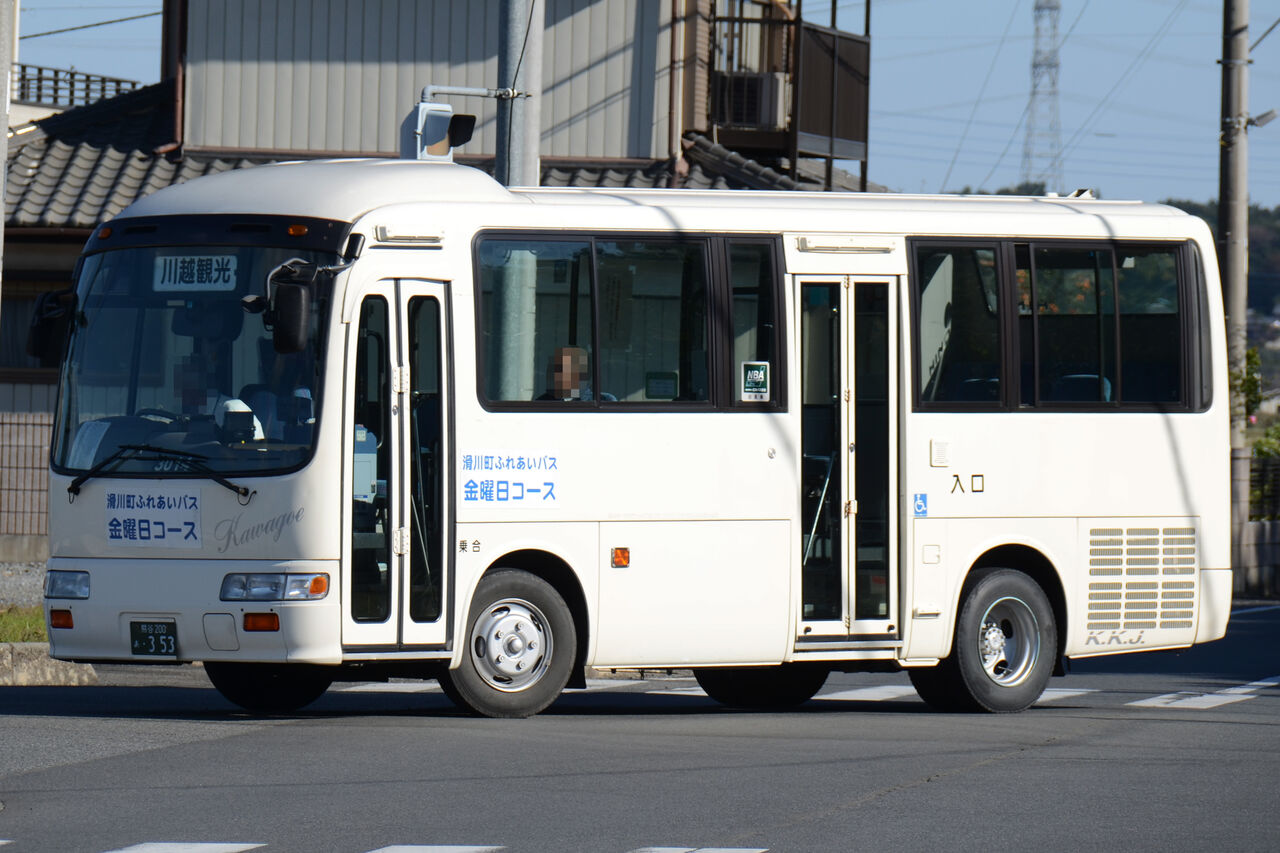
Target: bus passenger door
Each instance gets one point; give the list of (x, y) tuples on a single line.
[(394, 584), (423, 468), (848, 399)]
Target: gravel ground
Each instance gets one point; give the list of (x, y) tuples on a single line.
[(21, 583)]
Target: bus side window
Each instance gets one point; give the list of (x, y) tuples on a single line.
[(753, 308), (958, 325), (1073, 294), (652, 298), (534, 299), (1100, 325), (1151, 344)]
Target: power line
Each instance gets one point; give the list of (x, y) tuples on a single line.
[(981, 92), (90, 26), (1137, 62)]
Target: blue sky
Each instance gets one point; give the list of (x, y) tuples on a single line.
[(1139, 87)]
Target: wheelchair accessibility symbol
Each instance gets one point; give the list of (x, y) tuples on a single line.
[(921, 505)]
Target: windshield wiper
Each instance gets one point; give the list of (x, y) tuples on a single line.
[(193, 463)]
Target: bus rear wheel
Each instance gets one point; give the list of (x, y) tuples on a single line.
[(266, 688), (1004, 648), (762, 687), (521, 643)]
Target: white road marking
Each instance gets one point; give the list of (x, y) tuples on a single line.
[(1053, 694), (676, 691), (870, 694), (186, 847), (880, 693), (1264, 609), (701, 850), (392, 687), (1201, 701), (436, 848)]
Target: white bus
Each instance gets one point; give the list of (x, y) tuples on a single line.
[(353, 420)]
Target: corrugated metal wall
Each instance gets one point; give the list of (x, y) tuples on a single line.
[(340, 75), (27, 397)]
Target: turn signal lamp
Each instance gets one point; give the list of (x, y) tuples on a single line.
[(61, 619), (262, 622), (620, 558), (297, 230)]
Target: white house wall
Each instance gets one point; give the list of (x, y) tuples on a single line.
[(340, 75)]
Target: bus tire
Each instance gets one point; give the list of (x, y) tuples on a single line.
[(762, 687), (266, 688), (939, 687), (521, 643), (1005, 645)]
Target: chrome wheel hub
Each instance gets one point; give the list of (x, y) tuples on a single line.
[(1009, 641), (511, 645)]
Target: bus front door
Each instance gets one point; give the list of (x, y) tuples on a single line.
[(395, 578), (848, 396)]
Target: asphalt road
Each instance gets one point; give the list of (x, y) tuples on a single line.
[(1162, 751)]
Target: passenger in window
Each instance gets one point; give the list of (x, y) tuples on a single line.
[(567, 376)]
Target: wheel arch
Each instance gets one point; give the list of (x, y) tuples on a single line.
[(555, 571), (1039, 568)]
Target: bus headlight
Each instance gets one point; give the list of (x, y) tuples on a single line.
[(59, 584), (274, 587)]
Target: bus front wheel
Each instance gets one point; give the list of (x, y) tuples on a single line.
[(521, 643), (1004, 648), (268, 688), (762, 687)]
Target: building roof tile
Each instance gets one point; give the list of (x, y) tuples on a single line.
[(81, 167)]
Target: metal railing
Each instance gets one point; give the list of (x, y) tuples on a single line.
[(751, 68), (60, 87)]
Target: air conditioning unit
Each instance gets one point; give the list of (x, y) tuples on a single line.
[(750, 99)]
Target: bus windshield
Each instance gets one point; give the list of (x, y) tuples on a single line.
[(171, 351)]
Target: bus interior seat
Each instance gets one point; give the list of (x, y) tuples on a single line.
[(1080, 387)]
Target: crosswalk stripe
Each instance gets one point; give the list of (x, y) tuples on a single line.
[(870, 694), (1053, 694), (186, 847), (436, 848), (1203, 701), (1188, 700), (678, 691), (1248, 610), (701, 850), (393, 687), (878, 693)]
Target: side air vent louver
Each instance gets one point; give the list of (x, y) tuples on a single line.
[(1142, 577)]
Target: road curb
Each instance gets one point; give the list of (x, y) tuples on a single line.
[(29, 665)]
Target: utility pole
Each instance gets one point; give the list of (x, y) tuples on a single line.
[(8, 38), (1233, 242), (520, 69)]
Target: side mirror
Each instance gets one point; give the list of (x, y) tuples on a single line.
[(47, 333), (291, 318)]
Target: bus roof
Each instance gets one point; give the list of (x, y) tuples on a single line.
[(347, 190)]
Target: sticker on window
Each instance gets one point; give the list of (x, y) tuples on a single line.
[(755, 381), (198, 273)]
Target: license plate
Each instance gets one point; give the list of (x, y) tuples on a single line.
[(159, 639)]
